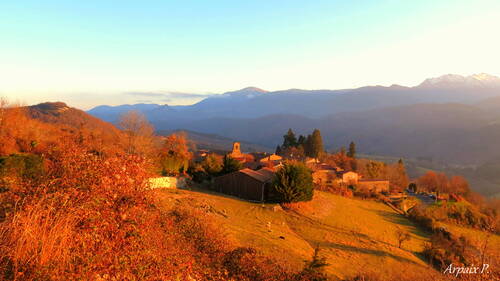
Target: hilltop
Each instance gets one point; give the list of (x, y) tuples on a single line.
[(61, 114)]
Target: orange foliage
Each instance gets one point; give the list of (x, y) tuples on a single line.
[(18, 133), (341, 160), (176, 145), (439, 182), (93, 218), (138, 133)]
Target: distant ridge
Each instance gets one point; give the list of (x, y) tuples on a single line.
[(253, 102)]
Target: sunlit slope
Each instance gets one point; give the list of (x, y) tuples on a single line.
[(354, 235)]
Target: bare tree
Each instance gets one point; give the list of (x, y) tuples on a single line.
[(402, 236), (139, 132)]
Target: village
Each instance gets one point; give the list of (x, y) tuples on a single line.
[(251, 176), (254, 180)]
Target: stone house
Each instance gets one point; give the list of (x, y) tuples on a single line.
[(324, 174), (328, 175), (348, 177)]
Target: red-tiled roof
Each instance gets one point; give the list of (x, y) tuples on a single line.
[(365, 180), (263, 175), (323, 166)]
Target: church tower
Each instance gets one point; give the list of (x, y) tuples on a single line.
[(236, 150)]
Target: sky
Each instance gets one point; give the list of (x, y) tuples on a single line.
[(94, 52)]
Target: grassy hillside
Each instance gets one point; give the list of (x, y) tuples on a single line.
[(354, 235)]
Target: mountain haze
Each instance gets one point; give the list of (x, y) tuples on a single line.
[(254, 102), (451, 119)]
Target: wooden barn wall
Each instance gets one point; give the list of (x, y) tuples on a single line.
[(239, 185)]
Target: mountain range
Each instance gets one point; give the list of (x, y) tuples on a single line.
[(253, 102), (450, 119), (434, 119)]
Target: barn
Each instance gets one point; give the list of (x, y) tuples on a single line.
[(246, 184)]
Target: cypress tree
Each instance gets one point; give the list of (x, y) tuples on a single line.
[(289, 140), (308, 146), (316, 144), (230, 165), (278, 150), (352, 150), (301, 141)]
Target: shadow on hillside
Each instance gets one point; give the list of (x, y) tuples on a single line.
[(378, 253), (316, 224), (205, 190), (401, 220), (321, 228)]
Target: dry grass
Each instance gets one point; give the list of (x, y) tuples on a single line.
[(357, 237), (297, 206), (39, 234), (354, 235)]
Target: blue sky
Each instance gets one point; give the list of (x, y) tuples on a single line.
[(109, 52)]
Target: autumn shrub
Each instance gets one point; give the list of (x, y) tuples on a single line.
[(245, 263), (444, 249), (85, 211), (213, 164), (93, 218), (229, 165), (15, 171), (26, 166), (198, 173), (313, 269), (304, 207), (419, 215), (460, 213), (336, 189), (364, 193)]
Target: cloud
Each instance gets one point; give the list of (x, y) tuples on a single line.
[(145, 94), (168, 96), (150, 101)]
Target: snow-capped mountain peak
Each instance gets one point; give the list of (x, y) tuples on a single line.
[(484, 77), (483, 80)]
